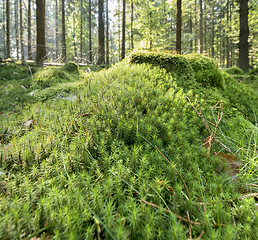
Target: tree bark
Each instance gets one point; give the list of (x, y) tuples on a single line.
[(123, 32), (16, 6), (21, 33), (29, 30), (243, 37), (200, 42), (57, 30), (195, 27), (4, 52), (8, 29), (90, 44), (132, 47), (63, 34), (81, 30), (212, 29), (101, 36), (41, 45), (191, 32), (227, 38), (107, 35), (178, 26)]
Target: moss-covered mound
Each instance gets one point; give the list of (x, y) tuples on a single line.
[(201, 75), (235, 71), (71, 67), (91, 169), (190, 68)]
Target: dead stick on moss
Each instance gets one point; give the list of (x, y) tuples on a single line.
[(190, 230), (200, 235), (167, 211), (200, 115), (96, 180), (176, 171), (248, 195)]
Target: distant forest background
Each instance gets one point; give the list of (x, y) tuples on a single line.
[(98, 32)]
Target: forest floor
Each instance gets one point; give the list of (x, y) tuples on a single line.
[(131, 151)]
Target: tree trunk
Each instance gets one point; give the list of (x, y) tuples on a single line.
[(243, 37), (4, 52), (29, 30), (63, 34), (21, 33), (90, 44), (74, 42), (81, 30), (191, 32), (16, 6), (107, 36), (123, 32), (132, 47), (41, 45), (195, 27), (212, 29), (8, 28), (205, 28), (200, 43), (101, 37), (57, 30), (178, 26)]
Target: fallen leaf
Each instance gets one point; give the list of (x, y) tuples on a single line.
[(231, 161), (28, 123)]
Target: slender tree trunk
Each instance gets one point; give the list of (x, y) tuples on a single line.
[(200, 42), (132, 47), (21, 32), (81, 30), (16, 6), (191, 32), (205, 29), (8, 43), (178, 26), (101, 30), (212, 29), (57, 30), (107, 35), (63, 34), (90, 44), (195, 27), (123, 32), (74, 41), (243, 37), (41, 44), (4, 52), (227, 38), (29, 30)]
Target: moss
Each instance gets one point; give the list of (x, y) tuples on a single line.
[(71, 67), (190, 67), (235, 71)]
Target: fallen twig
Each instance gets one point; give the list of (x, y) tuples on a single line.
[(168, 211), (248, 195), (176, 171)]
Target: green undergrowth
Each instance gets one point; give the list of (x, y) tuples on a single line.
[(27, 83), (197, 72), (80, 169)]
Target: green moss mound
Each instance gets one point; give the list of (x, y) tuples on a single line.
[(190, 68), (235, 71), (50, 76), (84, 169), (71, 67)]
